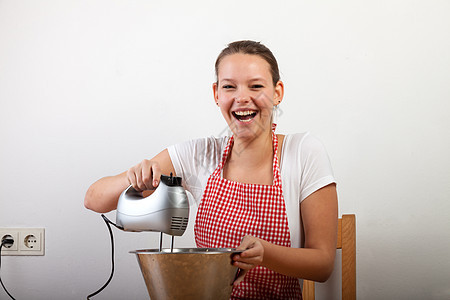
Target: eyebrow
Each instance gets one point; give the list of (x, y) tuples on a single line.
[(258, 79), (251, 80)]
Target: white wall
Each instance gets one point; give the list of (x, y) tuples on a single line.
[(89, 88)]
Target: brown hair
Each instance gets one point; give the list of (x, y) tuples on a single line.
[(252, 48)]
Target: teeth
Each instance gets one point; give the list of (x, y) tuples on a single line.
[(244, 113), (245, 121)]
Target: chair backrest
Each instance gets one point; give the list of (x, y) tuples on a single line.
[(346, 241)]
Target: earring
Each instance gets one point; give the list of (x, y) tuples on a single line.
[(275, 114)]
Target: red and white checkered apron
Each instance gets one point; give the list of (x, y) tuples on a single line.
[(230, 210)]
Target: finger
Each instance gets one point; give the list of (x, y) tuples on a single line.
[(156, 170), (251, 252), (132, 178), (147, 175), (244, 265), (240, 276), (253, 255), (138, 173), (254, 261)]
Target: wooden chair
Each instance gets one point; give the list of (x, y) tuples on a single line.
[(346, 241)]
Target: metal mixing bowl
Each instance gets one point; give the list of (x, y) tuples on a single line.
[(188, 273)]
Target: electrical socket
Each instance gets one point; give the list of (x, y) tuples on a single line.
[(6, 232), (27, 241)]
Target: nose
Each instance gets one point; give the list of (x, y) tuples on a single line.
[(242, 97)]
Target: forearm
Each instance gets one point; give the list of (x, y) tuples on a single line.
[(305, 263), (315, 261), (102, 196)]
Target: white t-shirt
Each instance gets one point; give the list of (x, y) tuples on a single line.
[(305, 168)]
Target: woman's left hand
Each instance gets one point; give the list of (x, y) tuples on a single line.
[(252, 256)]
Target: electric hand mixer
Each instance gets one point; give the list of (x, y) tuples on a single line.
[(204, 273), (165, 211)]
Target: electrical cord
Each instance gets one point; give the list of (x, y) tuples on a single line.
[(10, 242), (5, 242), (108, 222)]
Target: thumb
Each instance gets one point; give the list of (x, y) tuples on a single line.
[(240, 274), (246, 243)]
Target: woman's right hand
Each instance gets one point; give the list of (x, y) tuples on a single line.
[(145, 175), (102, 195)]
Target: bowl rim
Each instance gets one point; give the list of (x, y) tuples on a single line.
[(188, 251)]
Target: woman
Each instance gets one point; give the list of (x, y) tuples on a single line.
[(265, 193)]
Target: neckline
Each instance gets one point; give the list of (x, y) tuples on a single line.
[(276, 170)]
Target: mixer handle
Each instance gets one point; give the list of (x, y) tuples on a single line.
[(167, 180), (132, 194)]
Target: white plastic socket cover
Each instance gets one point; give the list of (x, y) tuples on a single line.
[(27, 241)]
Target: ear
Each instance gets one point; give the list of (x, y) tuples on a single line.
[(215, 93), (279, 93)]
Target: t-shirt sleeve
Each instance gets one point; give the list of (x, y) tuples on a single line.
[(315, 165), (194, 161)]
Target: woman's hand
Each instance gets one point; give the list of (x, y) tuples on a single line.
[(252, 256), (145, 175), (102, 196)]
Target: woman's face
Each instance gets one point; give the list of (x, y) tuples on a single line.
[(246, 95)]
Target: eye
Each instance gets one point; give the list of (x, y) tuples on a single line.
[(227, 86), (257, 86)]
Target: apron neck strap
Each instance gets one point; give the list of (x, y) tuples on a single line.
[(276, 169)]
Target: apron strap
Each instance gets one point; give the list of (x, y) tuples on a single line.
[(275, 169)]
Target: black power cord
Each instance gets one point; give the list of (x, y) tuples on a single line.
[(9, 242), (108, 222), (5, 242)]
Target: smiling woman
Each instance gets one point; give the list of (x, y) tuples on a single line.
[(265, 190), (246, 95)]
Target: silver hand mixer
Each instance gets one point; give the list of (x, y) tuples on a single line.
[(165, 211), (180, 271)]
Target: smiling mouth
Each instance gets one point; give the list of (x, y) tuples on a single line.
[(245, 115)]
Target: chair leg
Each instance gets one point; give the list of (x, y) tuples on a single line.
[(308, 292), (348, 257)]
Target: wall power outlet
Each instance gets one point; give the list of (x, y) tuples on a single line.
[(27, 241)]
